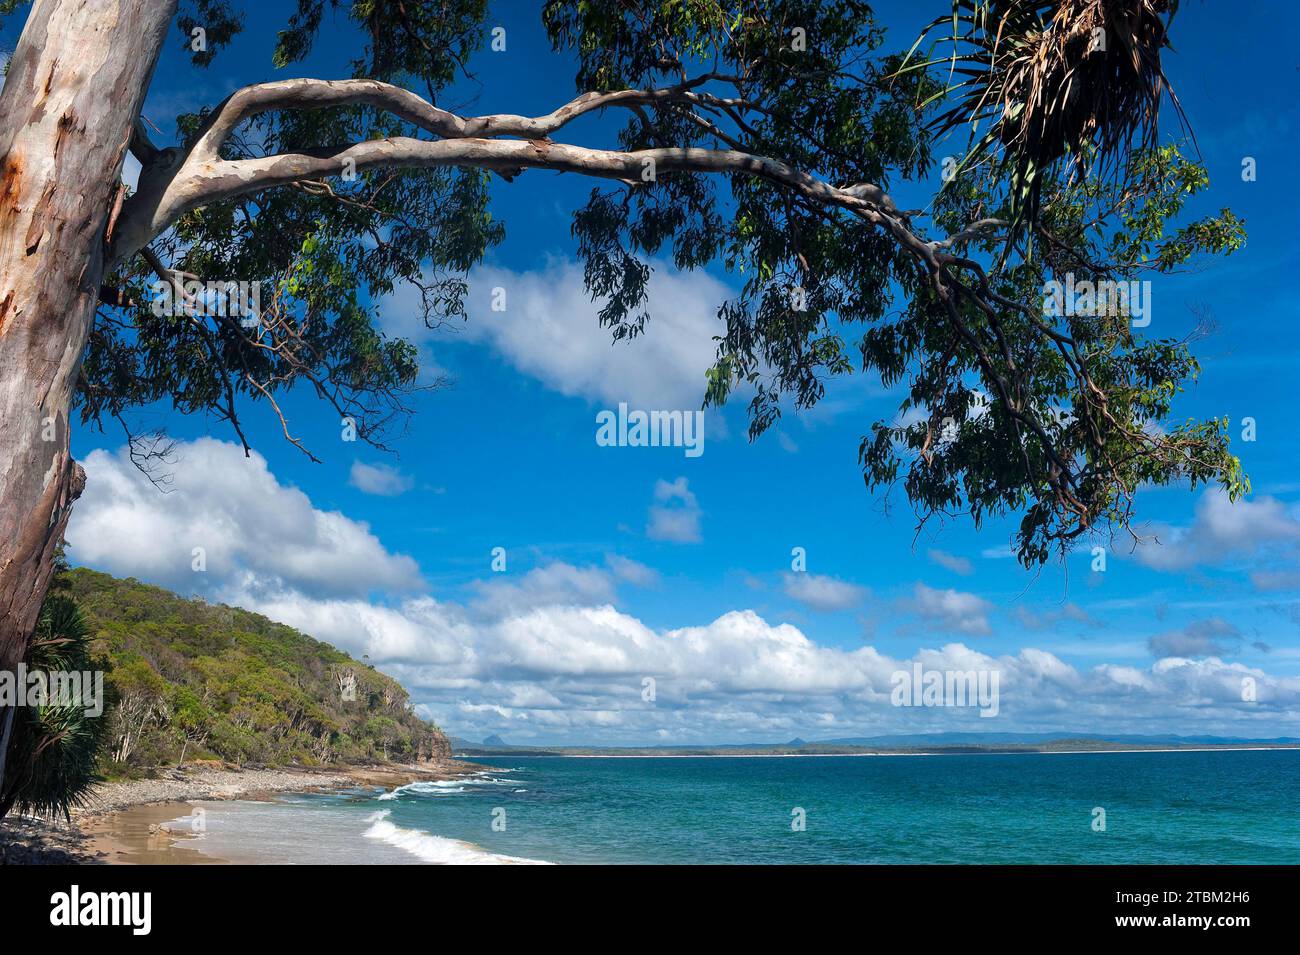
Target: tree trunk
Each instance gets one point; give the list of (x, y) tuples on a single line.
[(75, 86), (8, 716)]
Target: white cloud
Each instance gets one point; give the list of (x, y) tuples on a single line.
[(549, 656), (675, 514), (550, 585), (1201, 638), (632, 571), (550, 330), (958, 565), (952, 609), (1085, 648), (251, 528), (577, 673), (381, 479), (822, 592), (1043, 620), (1275, 579), (419, 631), (1221, 530)]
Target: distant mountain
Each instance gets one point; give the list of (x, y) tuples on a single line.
[(915, 742), (493, 743), (996, 739)]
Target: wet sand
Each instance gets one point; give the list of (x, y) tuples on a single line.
[(138, 836), (123, 822)]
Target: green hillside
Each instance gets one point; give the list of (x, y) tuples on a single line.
[(186, 679)]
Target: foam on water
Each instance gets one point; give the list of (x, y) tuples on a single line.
[(443, 787), (438, 850), (1224, 807), (424, 789)]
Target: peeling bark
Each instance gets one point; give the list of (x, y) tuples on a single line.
[(74, 88)]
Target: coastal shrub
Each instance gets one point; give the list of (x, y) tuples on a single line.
[(195, 680), (53, 748)]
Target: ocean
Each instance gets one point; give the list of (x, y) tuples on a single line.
[(1095, 808)]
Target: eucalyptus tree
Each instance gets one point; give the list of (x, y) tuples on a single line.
[(765, 136)]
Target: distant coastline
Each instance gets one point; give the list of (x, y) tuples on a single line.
[(969, 752), (1074, 746), (409, 814)]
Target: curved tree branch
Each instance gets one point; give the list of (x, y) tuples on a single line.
[(175, 182)]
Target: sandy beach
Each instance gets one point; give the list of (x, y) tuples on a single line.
[(125, 823)]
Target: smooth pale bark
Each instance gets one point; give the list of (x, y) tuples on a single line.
[(75, 86), (175, 182), (74, 90)]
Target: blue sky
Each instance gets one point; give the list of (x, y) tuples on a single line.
[(628, 563)]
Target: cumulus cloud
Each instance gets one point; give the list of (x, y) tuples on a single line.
[(249, 526), (577, 673), (822, 592), (550, 655), (381, 479), (550, 330), (952, 610), (1201, 638), (1069, 612), (632, 571), (554, 584), (958, 565), (1275, 579), (419, 631), (675, 514), (1221, 530)]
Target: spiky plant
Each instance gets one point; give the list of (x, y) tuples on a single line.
[(53, 748), (1046, 82)]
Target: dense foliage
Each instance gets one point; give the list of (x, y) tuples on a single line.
[(54, 746), (191, 680), (777, 130)]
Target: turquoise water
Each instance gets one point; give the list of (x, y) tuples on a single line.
[(1183, 807)]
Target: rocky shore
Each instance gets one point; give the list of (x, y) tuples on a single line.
[(27, 841)]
